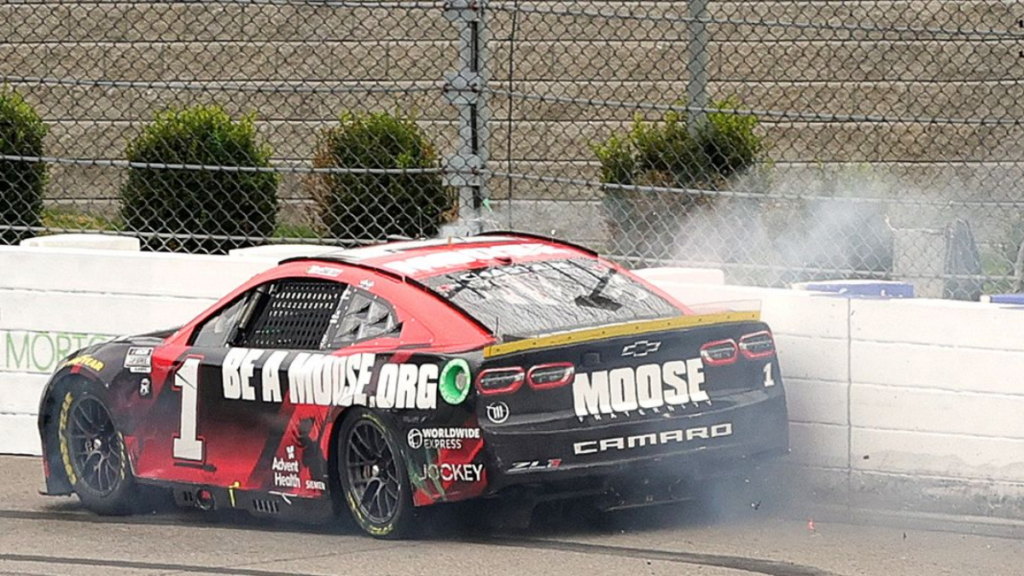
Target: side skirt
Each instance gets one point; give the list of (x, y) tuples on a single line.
[(277, 505)]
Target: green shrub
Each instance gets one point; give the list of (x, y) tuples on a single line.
[(375, 206), (645, 223), (22, 184), (57, 219), (189, 204)]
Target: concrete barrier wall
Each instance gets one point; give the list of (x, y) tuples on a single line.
[(905, 402), (56, 300), (937, 401), (911, 403)]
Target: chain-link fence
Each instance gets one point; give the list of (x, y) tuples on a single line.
[(779, 140)]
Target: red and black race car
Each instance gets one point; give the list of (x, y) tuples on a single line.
[(390, 377)]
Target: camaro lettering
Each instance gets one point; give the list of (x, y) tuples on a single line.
[(649, 386), (326, 380), (652, 439)]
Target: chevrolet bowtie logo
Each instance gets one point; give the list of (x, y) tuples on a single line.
[(641, 348)]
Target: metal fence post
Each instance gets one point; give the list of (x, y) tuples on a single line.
[(465, 89), (697, 83)]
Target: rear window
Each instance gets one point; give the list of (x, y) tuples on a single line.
[(537, 298)]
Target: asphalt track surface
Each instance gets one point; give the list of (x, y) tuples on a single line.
[(46, 536)]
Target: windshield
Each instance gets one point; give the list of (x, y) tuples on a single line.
[(535, 298)]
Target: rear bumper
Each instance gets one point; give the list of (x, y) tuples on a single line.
[(718, 440)]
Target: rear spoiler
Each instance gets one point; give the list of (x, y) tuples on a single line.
[(625, 329)]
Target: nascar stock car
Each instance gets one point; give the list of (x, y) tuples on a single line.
[(391, 377)]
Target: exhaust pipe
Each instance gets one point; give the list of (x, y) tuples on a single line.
[(204, 500)]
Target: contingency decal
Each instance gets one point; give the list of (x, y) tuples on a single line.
[(468, 472), (440, 438), (633, 388), (302, 471), (139, 360), (87, 361), (326, 380), (451, 468)]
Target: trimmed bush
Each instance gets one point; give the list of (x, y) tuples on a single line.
[(665, 154), (375, 206), (191, 204), (22, 184)]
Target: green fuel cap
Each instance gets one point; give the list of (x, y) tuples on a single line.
[(455, 381)]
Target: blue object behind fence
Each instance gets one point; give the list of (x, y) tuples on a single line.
[(1017, 299), (860, 288)]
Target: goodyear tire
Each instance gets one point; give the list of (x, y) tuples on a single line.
[(374, 477), (92, 451)]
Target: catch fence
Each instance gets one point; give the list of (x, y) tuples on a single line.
[(781, 141)]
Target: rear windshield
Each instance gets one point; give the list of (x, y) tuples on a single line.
[(537, 298)]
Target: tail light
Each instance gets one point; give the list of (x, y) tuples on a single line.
[(544, 376), (757, 345), (719, 352), (500, 380)]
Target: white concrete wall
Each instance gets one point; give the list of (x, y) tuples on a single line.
[(937, 393), (911, 402), (916, 403), (55, 300)]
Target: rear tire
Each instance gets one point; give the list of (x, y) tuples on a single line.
[(92, 452), (373, 476)]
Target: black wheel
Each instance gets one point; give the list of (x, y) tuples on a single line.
[(93, 453), (373, 475)]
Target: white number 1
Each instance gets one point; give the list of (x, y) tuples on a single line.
[(768, 382), (187, 446)]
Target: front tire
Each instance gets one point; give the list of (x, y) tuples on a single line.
[(374, 478), (93, 452)]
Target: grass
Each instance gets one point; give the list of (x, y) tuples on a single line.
[(296, 231), (69, 218)]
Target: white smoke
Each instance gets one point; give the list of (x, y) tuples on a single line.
[(839, 222)]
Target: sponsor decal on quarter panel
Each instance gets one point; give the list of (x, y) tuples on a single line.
[(326, 380)]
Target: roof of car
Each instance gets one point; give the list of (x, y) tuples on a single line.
[(423, 258)]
